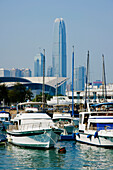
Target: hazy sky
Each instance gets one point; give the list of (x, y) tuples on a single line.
[(27, 25)]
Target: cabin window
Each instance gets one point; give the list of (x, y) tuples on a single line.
[(80, 118), (86, 116), (93, 126), (19, 122)]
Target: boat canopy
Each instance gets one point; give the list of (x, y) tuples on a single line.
[(100, 104), (30, 103)]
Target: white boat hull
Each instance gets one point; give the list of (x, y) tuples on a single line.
[(44, 140), (102, 141)]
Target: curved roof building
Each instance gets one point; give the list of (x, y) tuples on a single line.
[(35, 83)]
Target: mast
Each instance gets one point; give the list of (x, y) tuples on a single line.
[(87, 70), (73, 82), (43, 88), (104, 81)]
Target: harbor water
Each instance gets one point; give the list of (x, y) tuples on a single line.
[(77, 156)]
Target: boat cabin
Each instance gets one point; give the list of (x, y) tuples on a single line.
[(100, 117)]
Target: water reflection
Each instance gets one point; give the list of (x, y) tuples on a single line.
[(32, 158), (95, 157), (78, 156)]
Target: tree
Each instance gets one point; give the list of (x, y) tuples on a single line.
[(29, 94), (4, 93), (19, 93), (38, 98)]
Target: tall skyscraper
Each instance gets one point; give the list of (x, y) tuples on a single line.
[(59, 58), (38, 65), (79, 83)]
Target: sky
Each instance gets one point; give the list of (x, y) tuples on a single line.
[(26, 28)]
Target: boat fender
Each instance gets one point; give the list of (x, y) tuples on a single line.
[(96, 135), (78, 135), (62, 150), (89, 136)]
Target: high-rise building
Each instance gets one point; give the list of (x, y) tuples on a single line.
[(38, 65), (4, 72), (59, 58), (50, 71), (80, 74), (15, 72), (26, 72)]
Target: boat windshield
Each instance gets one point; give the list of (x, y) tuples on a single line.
[(63, 120)]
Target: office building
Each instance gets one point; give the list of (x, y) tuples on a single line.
[(15, 72), (4, 73), (79, 80), (50, 71), (38, 65)]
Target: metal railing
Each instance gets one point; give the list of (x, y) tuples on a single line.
[(30, 126)]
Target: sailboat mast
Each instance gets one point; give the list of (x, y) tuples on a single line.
[(43, 89), (104, 81), (73, 82), (87, 70)]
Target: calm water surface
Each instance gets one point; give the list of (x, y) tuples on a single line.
[(77, 156)]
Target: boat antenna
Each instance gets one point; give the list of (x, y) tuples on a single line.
[(73, 82), (87, 70), (43, 89), (104, 81)]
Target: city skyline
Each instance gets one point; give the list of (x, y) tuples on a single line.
[(27, 26)]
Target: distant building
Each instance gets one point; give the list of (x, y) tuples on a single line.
[(38, 65), (97, 83), (50, 71), (26, 72), (79, 82), (4, 73), (15, 72), (95, 94)]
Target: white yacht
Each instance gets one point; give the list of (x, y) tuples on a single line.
[(96, 125), (64, 121), (59, 100), (32, 128)]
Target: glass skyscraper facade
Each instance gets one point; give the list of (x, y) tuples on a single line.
[(38, 65), (80, 74), (59, 57)]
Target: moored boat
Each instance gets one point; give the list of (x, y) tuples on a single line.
[(4, 120), (65, 122), (33, 128), (96, 125)]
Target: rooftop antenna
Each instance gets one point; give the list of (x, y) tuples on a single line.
[(73, 82), (43, 88)]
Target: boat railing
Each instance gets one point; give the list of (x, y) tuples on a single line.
[(12, 127), (30, 126)]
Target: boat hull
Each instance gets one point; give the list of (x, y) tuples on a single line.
[(101, 141), (42, 139)]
